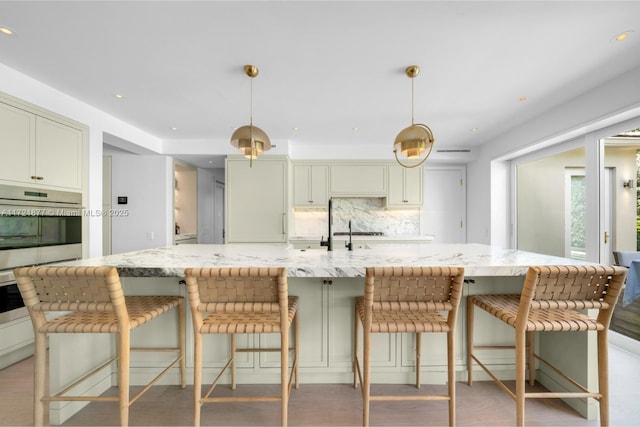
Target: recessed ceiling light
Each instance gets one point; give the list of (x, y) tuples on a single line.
[(474, 129), (6, 30), (119, 96), (356, 129), (210, 161), (296, 129), (622, 36), (174, 128)]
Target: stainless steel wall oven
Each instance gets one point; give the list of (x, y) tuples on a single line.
[(36, 227)]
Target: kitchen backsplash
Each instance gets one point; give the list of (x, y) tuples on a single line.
[(366, 214)]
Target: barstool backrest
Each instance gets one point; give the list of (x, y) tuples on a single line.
[(414, 288), (237, 289), (572, 288)]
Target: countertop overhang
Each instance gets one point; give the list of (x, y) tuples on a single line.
[(171, 261)]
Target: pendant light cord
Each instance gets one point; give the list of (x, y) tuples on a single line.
[(411, 101), (251, 101), (253, 143)]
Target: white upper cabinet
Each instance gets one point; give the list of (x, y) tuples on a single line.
[(310, 185), (17, 139), (58, 160), (405, 186), (39, 151), (358, 179)]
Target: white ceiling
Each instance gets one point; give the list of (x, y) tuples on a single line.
[(325, 66)]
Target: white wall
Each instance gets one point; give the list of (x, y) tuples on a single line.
[(147, 183), (488, 183)]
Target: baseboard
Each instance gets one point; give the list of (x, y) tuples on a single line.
[(15, 356), (625, 343)]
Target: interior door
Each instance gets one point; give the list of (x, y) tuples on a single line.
[(444, 211), (218, 215)]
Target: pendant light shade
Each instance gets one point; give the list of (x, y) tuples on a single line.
[(416, 141), (250, 140)]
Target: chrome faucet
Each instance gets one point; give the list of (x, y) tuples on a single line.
[(329, 242)]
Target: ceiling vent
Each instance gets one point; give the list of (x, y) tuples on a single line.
[(454, 150)]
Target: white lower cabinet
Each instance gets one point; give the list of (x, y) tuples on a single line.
[(326, 322), (16, 341)]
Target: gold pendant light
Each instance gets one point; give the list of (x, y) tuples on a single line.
[(416, 141), (250, 140)]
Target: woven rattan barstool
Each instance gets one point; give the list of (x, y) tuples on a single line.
[(242, 301), (407, 299), (549, 302), (91, 300)]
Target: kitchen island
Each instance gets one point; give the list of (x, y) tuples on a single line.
[(326, 283)]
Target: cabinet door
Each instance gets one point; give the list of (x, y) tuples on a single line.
[(58, 154), (405, 186), (310, 185), (302, 185), (395, 196), (358, 180), (17, 139), (312, 321), (319, 185), (256, 201)]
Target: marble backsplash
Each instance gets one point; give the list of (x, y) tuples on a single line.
[(366, 214)]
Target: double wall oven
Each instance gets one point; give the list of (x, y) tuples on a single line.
[(36, 227)]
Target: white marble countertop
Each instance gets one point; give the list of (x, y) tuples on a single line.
[(170, 261)]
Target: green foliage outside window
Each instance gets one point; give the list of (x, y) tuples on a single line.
[(578, 214)]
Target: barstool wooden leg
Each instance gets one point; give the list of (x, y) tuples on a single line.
[(296, 352), (355, 347), (41, 377), (233, 361), (603, 376), (284, 370), (182, 343), (123, 338), (418, 360), (470, 305), (520, 375), (366, 378), (531, 341), (451, 370), (197, 377)]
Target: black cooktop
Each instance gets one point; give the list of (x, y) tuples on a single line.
[(359, 233)]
